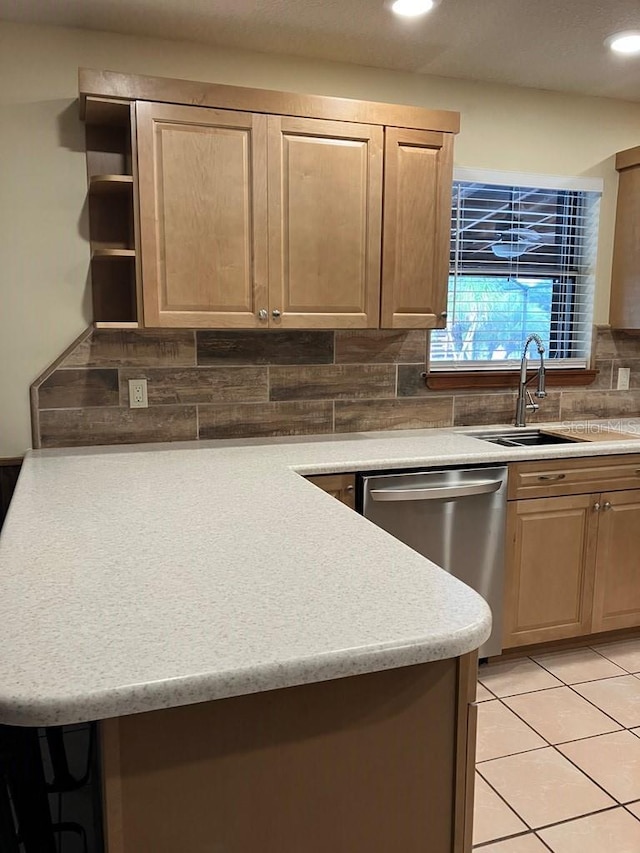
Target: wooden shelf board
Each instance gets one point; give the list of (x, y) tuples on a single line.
[(110, 184), (116, 325), (101, 254)]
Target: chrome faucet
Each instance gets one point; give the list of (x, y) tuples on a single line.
[(525, 400)]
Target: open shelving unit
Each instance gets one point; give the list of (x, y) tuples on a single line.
[(112, 213)]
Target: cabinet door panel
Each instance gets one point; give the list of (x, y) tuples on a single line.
[(325, 208), (617, 588), (202, 177), (417, 223), (550, 565)]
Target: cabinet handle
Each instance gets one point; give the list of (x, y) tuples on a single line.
[(607, 505), (263, 314), (552, 477), (596, 507), (275, 313)]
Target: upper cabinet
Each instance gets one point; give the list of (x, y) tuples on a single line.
[(325, 211), (417, 228), (203, 216), (625, 274), (293, 212)]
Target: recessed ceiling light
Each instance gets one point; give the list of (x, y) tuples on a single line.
[(626, 43), (412, 8)]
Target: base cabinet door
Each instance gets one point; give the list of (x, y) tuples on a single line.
[(617, 582), (325, 213), (203, 216), (550, 568)]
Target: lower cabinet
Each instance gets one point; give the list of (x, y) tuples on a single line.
[(340, 486), (572, 566), (617, 576), (550, 560)]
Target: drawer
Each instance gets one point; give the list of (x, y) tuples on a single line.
[(547, 478)]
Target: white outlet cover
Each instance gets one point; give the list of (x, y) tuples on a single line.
[(138, 394), (623, 378)]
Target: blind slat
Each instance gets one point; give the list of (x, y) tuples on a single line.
[(522, 261)]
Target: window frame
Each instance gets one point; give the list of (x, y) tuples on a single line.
[(445, 375)]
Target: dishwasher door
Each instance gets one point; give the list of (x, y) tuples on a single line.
[(456, 518)]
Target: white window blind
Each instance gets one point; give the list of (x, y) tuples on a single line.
[(523, 250)]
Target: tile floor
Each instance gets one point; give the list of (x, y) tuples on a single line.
[(558, 758)]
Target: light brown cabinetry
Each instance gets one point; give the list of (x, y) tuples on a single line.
[(203, 215), (340, 486), (266, 210), (325, 208), (617, 579), (376, 762), (417, 228), (625, 274), (572, 565)]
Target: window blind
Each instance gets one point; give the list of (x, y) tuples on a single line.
[(522, 260)]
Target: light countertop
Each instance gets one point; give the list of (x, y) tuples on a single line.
[(142, 577)]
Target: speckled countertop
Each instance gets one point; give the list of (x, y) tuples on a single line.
[(145, 577)]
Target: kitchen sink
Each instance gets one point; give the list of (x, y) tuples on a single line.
[(524, 438)]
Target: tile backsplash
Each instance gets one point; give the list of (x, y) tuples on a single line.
[(235, 384)]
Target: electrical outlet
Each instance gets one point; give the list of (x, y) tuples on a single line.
[(138, 394), (623, 378)]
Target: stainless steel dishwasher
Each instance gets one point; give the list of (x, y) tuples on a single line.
[(454, 517)]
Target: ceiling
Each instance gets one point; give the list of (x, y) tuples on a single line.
[(547, 44)]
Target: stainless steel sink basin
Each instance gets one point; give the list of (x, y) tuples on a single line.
[(523, 437)]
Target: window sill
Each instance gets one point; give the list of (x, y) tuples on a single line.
[(442, 381)]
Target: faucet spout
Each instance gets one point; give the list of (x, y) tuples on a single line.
[(525, 400)]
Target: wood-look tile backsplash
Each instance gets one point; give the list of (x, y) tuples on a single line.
[(257, 384)]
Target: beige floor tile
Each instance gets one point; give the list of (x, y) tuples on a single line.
[(491, 817), (483, 694), (578, 665), (635, 808), (618, 697), (614, 831), (560, 715), (508, 678), (543, 787), (624, 653), (521, 844), (500, 733), (613, 761)]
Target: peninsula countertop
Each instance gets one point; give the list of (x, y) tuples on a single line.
[(142, 577)]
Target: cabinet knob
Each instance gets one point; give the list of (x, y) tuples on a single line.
[(596, 507), (263, 314), (275, 313)]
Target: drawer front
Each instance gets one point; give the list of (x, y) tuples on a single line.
[(548, 478)]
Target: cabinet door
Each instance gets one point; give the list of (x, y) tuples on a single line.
[(325, 211), (416, 229), (340, 486), (625, 294), (550, 567), (203, 216), (617, 588)]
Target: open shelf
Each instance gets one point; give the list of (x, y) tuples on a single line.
[(109, 111), (110, 184)]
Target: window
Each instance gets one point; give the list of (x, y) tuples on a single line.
[(522, 260)]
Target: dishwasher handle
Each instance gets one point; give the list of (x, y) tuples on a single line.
[(462, 490)]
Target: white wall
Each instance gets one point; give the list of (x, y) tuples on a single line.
[(44, 302)]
